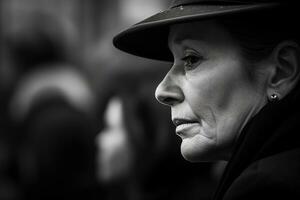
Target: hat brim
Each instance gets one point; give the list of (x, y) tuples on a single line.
[(149, 38)]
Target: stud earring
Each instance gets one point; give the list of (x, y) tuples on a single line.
[(274, 97)]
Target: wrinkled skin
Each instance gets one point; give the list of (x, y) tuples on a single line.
[(209, 90)]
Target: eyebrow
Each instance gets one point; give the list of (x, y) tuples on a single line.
[(178, 40), (185, 36), (181, 38)]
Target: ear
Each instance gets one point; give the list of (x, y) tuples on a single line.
[(285, 69)]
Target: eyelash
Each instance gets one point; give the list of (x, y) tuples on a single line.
[(190, 61)]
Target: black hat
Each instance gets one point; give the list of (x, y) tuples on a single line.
[(149, 37)]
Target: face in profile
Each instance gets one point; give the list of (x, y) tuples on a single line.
[(209, 90)]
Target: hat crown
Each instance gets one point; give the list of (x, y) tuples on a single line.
[(156, 27), (176, 3)]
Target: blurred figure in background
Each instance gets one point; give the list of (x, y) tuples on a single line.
[(53, 108)]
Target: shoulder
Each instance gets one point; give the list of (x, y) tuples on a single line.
[(277, 176)]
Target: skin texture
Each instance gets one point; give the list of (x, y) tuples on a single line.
[(209, 86)]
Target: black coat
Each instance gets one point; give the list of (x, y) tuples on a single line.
[(266, 160)]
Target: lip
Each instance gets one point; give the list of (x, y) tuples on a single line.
[(186, 128), (179, 121)]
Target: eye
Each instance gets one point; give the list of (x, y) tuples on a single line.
[(191, 61)]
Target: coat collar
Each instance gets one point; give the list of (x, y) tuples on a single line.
[(272, 130)]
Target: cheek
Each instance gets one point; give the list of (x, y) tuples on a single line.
[(213, 91), (222, 98)]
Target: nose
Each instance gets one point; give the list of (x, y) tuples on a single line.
[(168, 92)]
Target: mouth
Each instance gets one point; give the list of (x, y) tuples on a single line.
[(179, 121), (186, 128)]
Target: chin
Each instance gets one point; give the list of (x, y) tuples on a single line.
[(203, 151)]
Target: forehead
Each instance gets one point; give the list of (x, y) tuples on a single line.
[(206, 31)]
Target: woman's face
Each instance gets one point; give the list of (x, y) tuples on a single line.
[(209, 90)]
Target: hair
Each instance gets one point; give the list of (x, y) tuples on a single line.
[(259, 33)]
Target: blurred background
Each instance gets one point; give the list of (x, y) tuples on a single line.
[(78, 118)]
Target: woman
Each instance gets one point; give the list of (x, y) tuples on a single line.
[(233, 88)]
